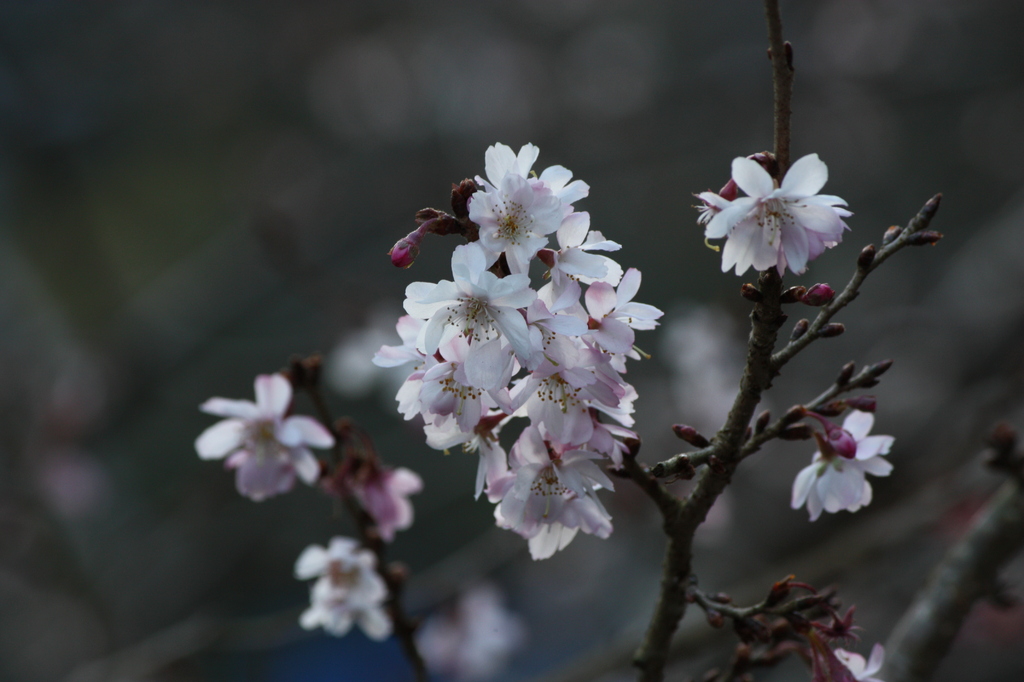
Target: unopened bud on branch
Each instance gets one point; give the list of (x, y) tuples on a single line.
[(797, 432), (818, 295), (832, 329), (762, 421), (879, 368), (866, 257), (926, 237), (792, 295), (690, 435), (864, 403), (891, 235), (845, 374), (751, 293), (799, 329)]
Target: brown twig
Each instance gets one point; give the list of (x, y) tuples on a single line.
[(305, 374), (967, 573)]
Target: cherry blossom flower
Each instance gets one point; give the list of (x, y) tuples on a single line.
[(552, 496), (863, 671), (267, 449), (472, 640), (515, 218), (573, 263), (775, 226), (477, 305), (348, 589), (614, 316), (834, 481), (384, 494)]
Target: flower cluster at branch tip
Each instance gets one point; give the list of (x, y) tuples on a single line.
[(835, 478), (486, 347), (267, 448), (778, 226), (347, 589)]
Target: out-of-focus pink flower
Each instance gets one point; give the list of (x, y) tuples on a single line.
[(832, 481), (384, 494), (267, 449), (474, 639), (348, 589)]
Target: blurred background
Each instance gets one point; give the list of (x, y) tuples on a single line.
[(191, 193)]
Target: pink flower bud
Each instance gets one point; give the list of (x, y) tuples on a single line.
[(841, 441), (819, 295), (404, 253), (728, 192)]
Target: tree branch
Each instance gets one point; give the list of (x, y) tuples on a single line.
[(967, 573)]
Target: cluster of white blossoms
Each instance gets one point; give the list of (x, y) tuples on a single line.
[(486, 349), (347, 590), (774, 226)]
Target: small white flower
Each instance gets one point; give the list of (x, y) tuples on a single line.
[(789, 225), (268, 448), (832, 482), (474, 639), (348, 589), (862, 670)]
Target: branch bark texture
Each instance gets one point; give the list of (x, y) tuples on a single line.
[(967, 573)]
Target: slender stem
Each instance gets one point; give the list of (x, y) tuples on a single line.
[(967, 573), (404, 626), (781, 54)]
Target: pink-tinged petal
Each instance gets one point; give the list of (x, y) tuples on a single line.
[(273, 394), (820, 219), (573, 230), (578, 262), (301, 430), (374, 623), (591, 471), (406, 481), (804, 178), (489, 365), (221, 438), (556, 177), (876, 660), (222, 407), (550, 539), (600, 298), (751, 177), (639, 315), (877, 466), (614, 336), (513, 291), (840, 489), (311, 563), (723, 222), (259, 478), (814, 505), (498, 161), (802, 485), (513, 326), (527, 156), (873, 446), (307, 466), (858, 424), (572, 192), (795, 246), (628, 287), (739, 248)]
